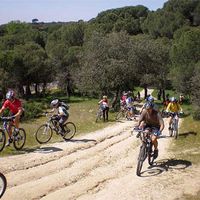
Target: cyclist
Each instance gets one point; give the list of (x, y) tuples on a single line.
[(173, 107), (149, 99), (104, 107), (130, 106), (151, 121), (61, 113), (16, 110), (123, 99)]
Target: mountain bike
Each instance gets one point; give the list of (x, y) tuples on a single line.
[(122, 114), (18, 134), (145, 149), (45, 131), (99, 115), (3, 184), (173, 129)]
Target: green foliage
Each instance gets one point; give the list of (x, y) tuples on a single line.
[(121, 19), (33, 109), (184, 56)]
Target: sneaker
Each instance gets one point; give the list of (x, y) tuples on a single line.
[(155, 153), (9, 142)]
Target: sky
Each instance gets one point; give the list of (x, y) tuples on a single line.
[(64, 10)]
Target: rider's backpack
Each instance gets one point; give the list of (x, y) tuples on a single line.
[(66, 106)]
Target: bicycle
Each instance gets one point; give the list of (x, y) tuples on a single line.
[(45, 132), (173, 129), (3, 184), (99, 115), (122, 114), (18, 134), (145, 150)]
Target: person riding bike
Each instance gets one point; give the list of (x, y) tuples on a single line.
[(123, 99), (149, 99), (104, 107), (16, 110), (173, 107), (151, 121), (130, 106), (61, 113)]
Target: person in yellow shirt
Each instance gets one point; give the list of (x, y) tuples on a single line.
[(173, 107)]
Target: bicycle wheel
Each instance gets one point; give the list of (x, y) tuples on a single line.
[(43, 134), (3, 184), (19, 139), (120, 115), (70, 130), (2, 140), (98, 116), (141, 158)]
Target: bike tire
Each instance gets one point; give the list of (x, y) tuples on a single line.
[(119, 115), (43, 134), (98, 117), (19, 139), (2, 140), (150, 156), (70, 129), (3, 184), (141, 158)]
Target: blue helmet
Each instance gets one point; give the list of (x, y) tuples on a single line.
[(149, 105), (150, 99)]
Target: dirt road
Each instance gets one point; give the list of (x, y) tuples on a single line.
[(100, 165)]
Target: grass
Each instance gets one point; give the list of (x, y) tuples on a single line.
[(82, 112)]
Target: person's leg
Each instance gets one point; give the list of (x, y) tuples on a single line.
[(170, 121), (104, 113), (107, 109)]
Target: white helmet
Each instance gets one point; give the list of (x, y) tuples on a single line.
[(55, 102)]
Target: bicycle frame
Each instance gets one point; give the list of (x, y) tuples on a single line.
[(145, 150)]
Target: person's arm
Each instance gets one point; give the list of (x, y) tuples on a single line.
[(161, 122), (141, 118), (100, 102), (168, 107), (20, 110), (179, 108)]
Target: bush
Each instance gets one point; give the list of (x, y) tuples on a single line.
[(196, 114), (33, 110)]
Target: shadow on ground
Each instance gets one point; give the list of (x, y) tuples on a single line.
[(161, 166), (186, 134)]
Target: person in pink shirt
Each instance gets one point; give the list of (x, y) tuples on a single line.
[(16, 110)]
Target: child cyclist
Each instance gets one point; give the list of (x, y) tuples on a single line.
[(61, 113)]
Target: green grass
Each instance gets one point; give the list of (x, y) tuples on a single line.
[(82, 112)]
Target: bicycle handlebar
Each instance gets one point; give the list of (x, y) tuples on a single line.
[(7, 118)]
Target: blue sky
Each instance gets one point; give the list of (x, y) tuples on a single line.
[(64, 10)]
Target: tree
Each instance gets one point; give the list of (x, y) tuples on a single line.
[(184, 56)]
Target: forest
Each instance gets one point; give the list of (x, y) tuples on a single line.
[(118, 50)]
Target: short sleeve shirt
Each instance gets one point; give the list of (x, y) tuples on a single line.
[(13, 106)]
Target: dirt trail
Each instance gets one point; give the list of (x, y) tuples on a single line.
[(100, 165)]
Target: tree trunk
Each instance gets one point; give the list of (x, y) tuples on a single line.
[(114, 100), (163, 94), (145, 92)]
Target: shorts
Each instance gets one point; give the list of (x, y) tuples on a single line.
[(153, 129)]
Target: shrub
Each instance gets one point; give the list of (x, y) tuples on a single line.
[(33, 109)]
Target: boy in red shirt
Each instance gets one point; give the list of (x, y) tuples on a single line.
[(15, 107)]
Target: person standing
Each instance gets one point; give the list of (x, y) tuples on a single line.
[(104, 105)]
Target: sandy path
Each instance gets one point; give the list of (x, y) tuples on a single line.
[(99, 165)]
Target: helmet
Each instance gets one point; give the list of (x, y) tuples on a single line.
[(149, 105), (150, 99), (55, 103), (10, 94), (173, 99)]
